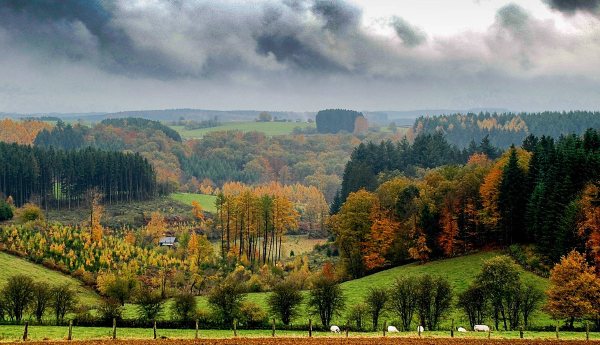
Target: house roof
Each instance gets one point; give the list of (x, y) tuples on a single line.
[(167, 240)]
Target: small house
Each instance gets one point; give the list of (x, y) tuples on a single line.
[(167, 241)]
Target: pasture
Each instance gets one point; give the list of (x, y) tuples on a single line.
[(268, 128), (206, 201), (12, 265)]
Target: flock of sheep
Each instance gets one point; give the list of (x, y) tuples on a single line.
[(420, 329)]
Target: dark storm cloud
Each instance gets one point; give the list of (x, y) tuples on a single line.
[(410, 35), (338, 15), (572, 6)]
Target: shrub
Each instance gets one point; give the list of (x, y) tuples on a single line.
[(149, 304), (184, 307), (110, 309), (284, 301), (30, 212), (226, 299), (252, 314), (326, 299), (6, 211)]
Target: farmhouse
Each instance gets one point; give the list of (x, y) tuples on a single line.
[(167, 241)]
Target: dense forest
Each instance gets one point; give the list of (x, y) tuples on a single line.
[(337, 120), (370, 161), (506, 129), (63, 178), (545, 193)]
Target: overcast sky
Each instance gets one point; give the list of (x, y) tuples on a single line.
[(94, 55)]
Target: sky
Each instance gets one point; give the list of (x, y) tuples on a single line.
[(298, 55)]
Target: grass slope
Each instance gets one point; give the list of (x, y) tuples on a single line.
[(269, 128), (206, 201), (460, 272), (12, 265)]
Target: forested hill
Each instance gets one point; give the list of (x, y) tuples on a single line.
[(545, 193), (63, 178), (505, 129)]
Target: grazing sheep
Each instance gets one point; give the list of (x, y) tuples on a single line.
[(334, 329), (392, 329), (462, 329), (420, 329), (481, 328)]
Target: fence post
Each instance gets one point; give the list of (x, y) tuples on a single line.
[(587, 331), (419, 330), (196, 334), (235, 327), (310, 328), (557, 323), (347, 327), (489, 333), (273, 332), (384, 327), (154, 329), (26, 330), (452, 330), (114, 335), (521, 332), (70, 330)]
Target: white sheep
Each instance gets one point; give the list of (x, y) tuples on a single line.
[(334, 329), (420, 329), (462, 330), (392, 329), (481, 328)]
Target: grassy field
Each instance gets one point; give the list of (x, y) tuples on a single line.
[(14, 333), (12, 265), (460, 272), (207, 201), (269, 128)]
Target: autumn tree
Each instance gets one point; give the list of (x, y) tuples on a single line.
[(96, 211), (156, 226), (352, 227), (197, 211), (589, 225), (574, 290)]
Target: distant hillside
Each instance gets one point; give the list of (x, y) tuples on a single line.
[(505, 129)]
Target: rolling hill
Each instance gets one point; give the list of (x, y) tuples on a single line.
[(12, 265)]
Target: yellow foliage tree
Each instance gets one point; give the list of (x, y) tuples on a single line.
[(156, 226)]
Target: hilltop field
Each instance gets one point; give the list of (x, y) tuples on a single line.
[(269, 128)]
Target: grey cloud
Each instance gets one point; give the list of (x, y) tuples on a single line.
[(338, 15), (572, 6), (410, 35)]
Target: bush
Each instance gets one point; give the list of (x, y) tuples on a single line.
[(110, 309), (184, 307), (149, 304), (17, 296), (326, 299), (6, 211), (252, 314), (284, 301), (358, 315), (226, 299), (30, 212)]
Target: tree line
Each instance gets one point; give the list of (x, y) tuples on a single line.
[(56, 178), (505, 129), (337, 120)]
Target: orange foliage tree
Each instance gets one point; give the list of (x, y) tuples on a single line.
[(574, 290)]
